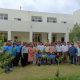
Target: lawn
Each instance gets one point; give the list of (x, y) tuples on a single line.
[(33, 72)]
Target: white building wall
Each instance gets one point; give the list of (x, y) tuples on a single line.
[(26, 25)]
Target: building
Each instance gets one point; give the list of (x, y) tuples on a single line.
[(36, 26)]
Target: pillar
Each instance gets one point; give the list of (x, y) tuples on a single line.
[(9, 35), (66, 37), (31, 36), (50, 37)]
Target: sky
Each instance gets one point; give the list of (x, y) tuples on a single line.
[(52, 6)]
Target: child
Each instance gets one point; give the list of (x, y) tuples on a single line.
[(38, 57), (59, 58), (44, 57), (51, 54)]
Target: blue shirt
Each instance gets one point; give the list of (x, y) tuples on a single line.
[(4, 48), (38, 55), (8, 49), (72, 50), (14, 51), (18, 48)]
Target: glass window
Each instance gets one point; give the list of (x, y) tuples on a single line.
[(17, 19), (6, 16), (3, 16), (64, 22), (52, 19), (36, 19)]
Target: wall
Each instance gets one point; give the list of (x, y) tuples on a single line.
[(26, 25), (24, 37)]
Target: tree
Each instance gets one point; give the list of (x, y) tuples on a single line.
[(75, 33)]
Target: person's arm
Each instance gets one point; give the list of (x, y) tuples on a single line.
[(69, 50), (76, 51), (22, 51)]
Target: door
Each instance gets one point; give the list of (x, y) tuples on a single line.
[(37, 38), (53, 37)]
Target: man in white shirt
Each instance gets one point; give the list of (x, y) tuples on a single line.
[(65, 51), (58, 48), (41, 47), (47, 48)]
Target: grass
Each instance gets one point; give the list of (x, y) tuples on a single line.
[(44, 72)]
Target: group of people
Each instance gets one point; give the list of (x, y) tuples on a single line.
[(41, 53)]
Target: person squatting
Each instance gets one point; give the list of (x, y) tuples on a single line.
[(41, 53)]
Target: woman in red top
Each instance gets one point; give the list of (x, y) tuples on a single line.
[(30, 53)]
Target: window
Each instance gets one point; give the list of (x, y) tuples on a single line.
[(3, 16), (36, 19), (17, 19), (64, 22), (52, 19)]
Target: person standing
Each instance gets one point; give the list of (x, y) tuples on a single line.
[(30, 53), (72, 51), (24, 55), (8, 52), (59, 48), (65, 51), (14, 54), (78, 53), (18, 52), (35, 52)]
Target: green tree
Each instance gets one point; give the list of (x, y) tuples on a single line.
[(75, 33)]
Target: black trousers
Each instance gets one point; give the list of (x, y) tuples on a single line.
[(73, 59), (24, 59), (14, 61), (17, 58)]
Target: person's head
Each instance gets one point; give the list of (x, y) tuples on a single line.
[(68, 43), (18, 43), (30, 45), (9, 43), (35, 44), (64, 43), (14, 44), (24, 43), (78, 43), (72, 44)]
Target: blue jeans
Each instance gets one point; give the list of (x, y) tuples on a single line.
[(73, 59)]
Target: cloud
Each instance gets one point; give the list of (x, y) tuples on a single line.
[(57, 6)]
